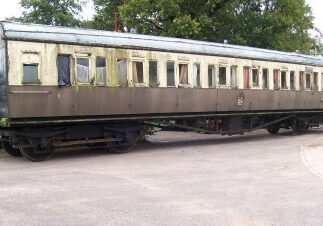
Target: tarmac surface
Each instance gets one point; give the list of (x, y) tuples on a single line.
[(176, 179)]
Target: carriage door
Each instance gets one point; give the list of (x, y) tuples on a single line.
[(64, 70)]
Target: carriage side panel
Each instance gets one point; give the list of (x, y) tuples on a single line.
[(3, 75)]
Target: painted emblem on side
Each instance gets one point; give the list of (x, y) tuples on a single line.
[(241, 98)]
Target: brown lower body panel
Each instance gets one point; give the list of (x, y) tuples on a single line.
[(40, 101)]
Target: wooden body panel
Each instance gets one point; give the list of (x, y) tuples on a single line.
[(42, 102)]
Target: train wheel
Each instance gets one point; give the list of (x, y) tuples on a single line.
[(34, 152), (273, 129), (125, 146), (15, 152)]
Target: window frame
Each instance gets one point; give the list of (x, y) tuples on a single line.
[(302, 80), (181, 85), (226, 76), (127, 71), (76, 72), (236, 75), (36, 83), (315, 81), (278, 79), (143, 71), (174, 70), (70, 58), (306, 87), (157, 73), (245, 69), (292, 85), (267, 79), (213, 76), (96, 71), (281, 80), (253, 68), (198, 65)]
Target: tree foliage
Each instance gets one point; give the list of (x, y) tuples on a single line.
[(53, 12), (272, 24), (106, 13)]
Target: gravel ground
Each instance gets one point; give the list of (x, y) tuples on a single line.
[(176, 179)]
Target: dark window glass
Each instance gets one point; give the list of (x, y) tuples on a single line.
[(170, 74), (315, 82), (101, 71), (153, 74), (283, 80), (211, 76), (138, 72), (31, 74), (255, 77), (308, 81), (122, 72), (64, 70), (302, 80), (197, 75), (222, 75), (265, 78), (292, 80), (83, 70)]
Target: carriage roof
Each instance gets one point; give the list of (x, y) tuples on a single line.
[(64, 35)]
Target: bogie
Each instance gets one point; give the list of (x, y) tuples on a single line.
[(7, 146)]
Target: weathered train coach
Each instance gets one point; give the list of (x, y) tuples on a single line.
[(63, 88)]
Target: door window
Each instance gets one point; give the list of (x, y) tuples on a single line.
[(64, 70)]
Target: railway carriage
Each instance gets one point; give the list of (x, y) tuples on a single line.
[(64, 88)]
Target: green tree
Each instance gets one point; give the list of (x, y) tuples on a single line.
[(272, 24), (107, 12), (53, 12)]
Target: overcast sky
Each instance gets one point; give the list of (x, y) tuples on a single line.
[(11, 8)]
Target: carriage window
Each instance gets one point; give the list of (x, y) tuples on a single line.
[(315, 82), (138, 72), (283, 80), (265, 78), (292, 80), (276, 79), (246, 75), (211, 76), (101, 71), (222, 75), (183, 74), (197, 75), (122, 72), (31, 74), (153, 74), (83, 70), (234, 82), (302, 80), (64, 70), (255, 77), (170, 74), (308, 81)]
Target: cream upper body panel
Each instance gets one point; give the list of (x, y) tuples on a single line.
[(45, 55)]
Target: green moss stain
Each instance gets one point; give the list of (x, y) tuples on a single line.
[(76, 87), (4, 122), (113, 71)]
